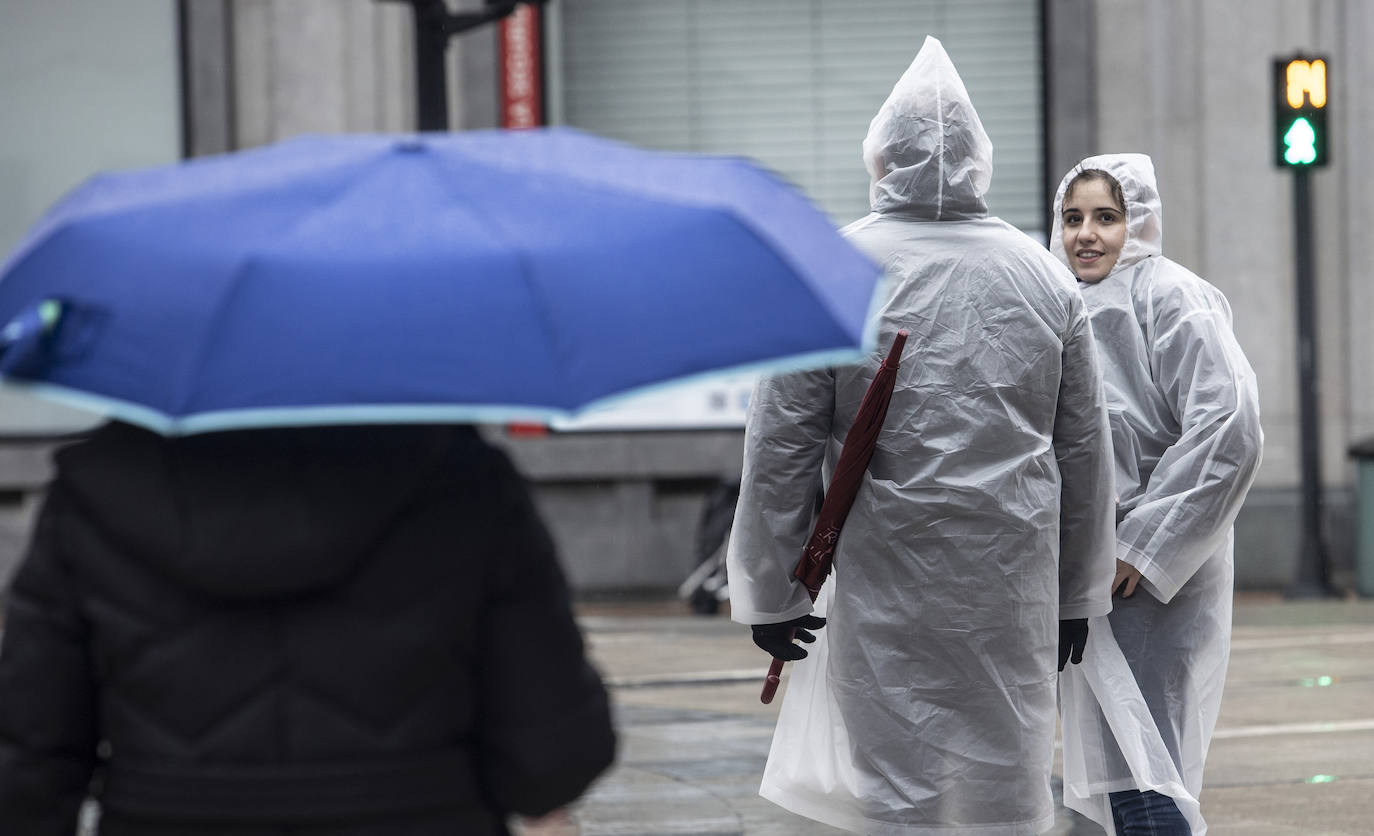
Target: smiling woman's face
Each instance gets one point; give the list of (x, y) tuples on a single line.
[(1094, 229)]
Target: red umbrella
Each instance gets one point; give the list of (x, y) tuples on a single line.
[(859, 443)]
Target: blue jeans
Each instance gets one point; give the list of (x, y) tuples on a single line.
[(1147, 813)]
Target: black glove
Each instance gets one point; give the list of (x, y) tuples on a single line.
[(776, 639), (1073, 637)]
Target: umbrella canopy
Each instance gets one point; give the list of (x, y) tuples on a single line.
[(449, 277), (818, 555)]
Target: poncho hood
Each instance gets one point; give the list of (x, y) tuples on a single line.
[(1144, 213), (926, 152)]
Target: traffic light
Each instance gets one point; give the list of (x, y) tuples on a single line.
[(1300, 99)]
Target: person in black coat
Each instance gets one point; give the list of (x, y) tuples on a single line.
[(330, 630)]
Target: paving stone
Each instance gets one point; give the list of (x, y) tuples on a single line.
[(1294, 753)]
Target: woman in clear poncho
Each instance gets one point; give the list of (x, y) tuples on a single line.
[(1139, 712), (927, 705)]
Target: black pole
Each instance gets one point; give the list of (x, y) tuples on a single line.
[(434, 25), (431, 78), (1047, 149), (1312, 579)]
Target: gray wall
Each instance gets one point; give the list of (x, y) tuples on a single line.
[(1189, 84), (1070, 88), (624, 507), (1184, 81), (265, 70), (84, 86)]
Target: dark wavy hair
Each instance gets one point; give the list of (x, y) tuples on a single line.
[(1089, 174)]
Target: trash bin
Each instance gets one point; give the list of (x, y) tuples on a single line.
[(1363, 453)]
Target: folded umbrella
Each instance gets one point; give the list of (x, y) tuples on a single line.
[(476, 276), (818, 555)]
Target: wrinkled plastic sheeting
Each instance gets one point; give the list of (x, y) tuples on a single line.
[(809, 771), (1124, 742)]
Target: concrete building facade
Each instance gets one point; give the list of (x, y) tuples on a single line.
[(1190, 84), (1185, 81)]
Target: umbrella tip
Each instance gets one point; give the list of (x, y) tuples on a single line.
[(894, 354)]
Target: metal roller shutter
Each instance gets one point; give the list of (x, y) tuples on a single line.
[(794, 83)]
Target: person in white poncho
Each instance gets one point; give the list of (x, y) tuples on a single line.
[(981, 536), (1139, 712)]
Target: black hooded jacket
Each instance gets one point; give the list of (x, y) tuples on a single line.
[(347, 630)]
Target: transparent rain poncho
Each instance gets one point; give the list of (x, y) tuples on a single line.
[(986, 515), (1139, 712)]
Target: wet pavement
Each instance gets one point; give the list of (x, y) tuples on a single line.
[(1293, 753)]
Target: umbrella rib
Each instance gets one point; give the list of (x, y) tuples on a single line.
[(527, 272), (240, 275), (795, 272), (244, 261), (735, 210)]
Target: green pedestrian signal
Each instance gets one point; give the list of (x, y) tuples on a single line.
[(1300, 99), (1302, 143)]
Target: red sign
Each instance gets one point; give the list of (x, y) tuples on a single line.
[(521, 69)]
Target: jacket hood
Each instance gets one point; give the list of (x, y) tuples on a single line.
[(251, 514), (926, 151), (1144, 214)]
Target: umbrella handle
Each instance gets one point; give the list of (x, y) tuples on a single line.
[(22, 339), (770, 684), (774, 678)]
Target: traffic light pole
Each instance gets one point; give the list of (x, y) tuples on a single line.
[(1312, 579)]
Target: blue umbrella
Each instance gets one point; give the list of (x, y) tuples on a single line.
[(441, 277)]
